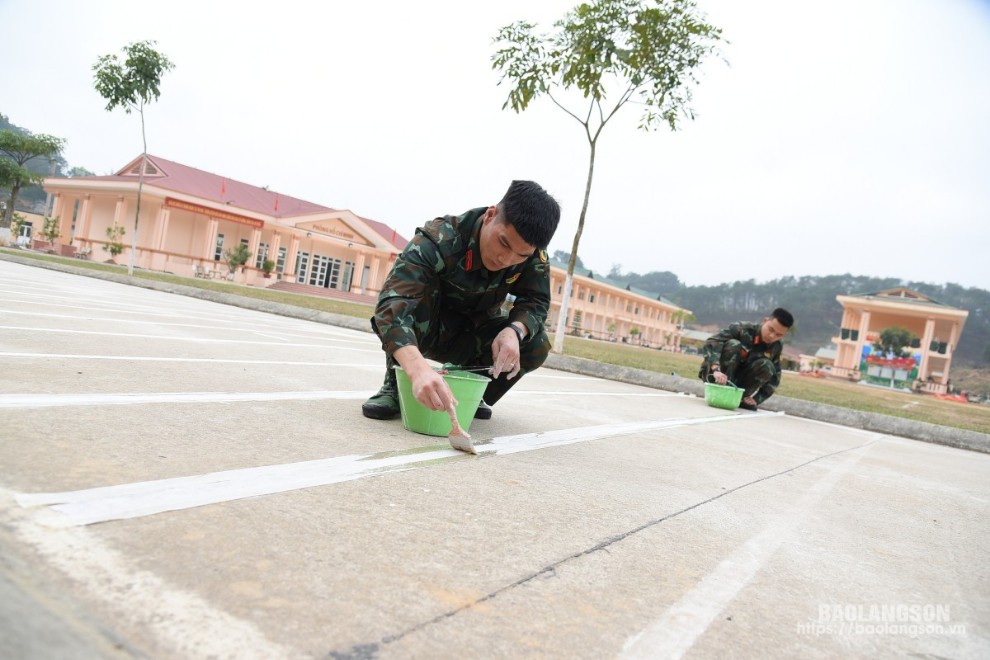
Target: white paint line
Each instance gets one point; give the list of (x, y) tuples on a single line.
[(129, 399), (145, 358), (141, 398), (235, 326), (655, 394), (203, 340), (184, 624), (674, 633), (84, 507)]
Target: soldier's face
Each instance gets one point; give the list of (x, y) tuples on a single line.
[(500, 244), (772, 330)]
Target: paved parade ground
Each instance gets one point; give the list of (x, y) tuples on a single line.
[(185, 479)]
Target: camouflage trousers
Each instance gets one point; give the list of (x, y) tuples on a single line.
[(454, 338), (752, 375)]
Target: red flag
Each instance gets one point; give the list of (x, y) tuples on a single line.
[(276, 201), (223, 187), (394, 234)]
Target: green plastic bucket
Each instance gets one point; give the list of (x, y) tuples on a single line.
[(467, 388), (723, 396)]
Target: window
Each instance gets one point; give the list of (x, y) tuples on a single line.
[(259, 260), (218, 252), (302, 265), (345, 284), (591, 298), (280, 262)]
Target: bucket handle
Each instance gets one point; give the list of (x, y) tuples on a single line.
[(728, 382)]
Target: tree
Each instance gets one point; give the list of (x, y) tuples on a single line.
[(236, 257), (131, 85), (114, 245), (51, 230), (561, 256), (892, 341), (79, 171), (16, 150), (637, 51)]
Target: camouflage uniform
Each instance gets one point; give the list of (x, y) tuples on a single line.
[(440, 298), (744, 359)]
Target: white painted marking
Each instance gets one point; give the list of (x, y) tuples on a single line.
[(204, 340), (144, 358), (683, 623), (183, 623), (84, 507), (655, 394), (235, 326), (126, 399)]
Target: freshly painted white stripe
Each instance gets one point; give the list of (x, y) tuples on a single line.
[(655, 394), (144, 358), (204, 340), (674, 633), (84, 507), (126, 399), (184, 624)]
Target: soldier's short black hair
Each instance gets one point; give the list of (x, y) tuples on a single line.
[(786, 318), (531, 211)]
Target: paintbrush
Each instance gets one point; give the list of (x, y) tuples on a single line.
[(458, 437)]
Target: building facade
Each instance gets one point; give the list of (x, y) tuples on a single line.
[(936, 326), (189, 219), (603, 310)]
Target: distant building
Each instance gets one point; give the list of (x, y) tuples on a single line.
[(602, 309), (937, 327), (823, 357), (189, 218)]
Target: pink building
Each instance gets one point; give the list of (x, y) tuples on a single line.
[(604, 310), (189, 218), (937, 327)]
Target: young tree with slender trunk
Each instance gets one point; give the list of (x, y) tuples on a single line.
[(613, 52), (131, 85), (16, 149)]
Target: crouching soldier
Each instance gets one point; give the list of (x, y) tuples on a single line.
[(748, 355)]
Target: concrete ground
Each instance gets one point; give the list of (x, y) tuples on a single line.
[(185, 479)]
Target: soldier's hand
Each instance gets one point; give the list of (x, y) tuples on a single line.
[(505, 354), (431, 390), (720, 378), (429, 387)]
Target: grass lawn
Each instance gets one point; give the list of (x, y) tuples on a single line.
[(974, 417)]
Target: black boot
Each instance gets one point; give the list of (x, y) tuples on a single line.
[(385, 404), (484, 411)]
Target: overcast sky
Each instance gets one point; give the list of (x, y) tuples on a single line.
[(843, 136)]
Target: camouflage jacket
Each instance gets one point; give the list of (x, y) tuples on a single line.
[(747, 334), (441, 267)]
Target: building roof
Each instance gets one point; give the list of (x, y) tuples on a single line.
[(179, 178), (902, 295), (615, 283), (826, 353)]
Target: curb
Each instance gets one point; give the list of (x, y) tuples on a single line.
[(897, 426), (905, 428)]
